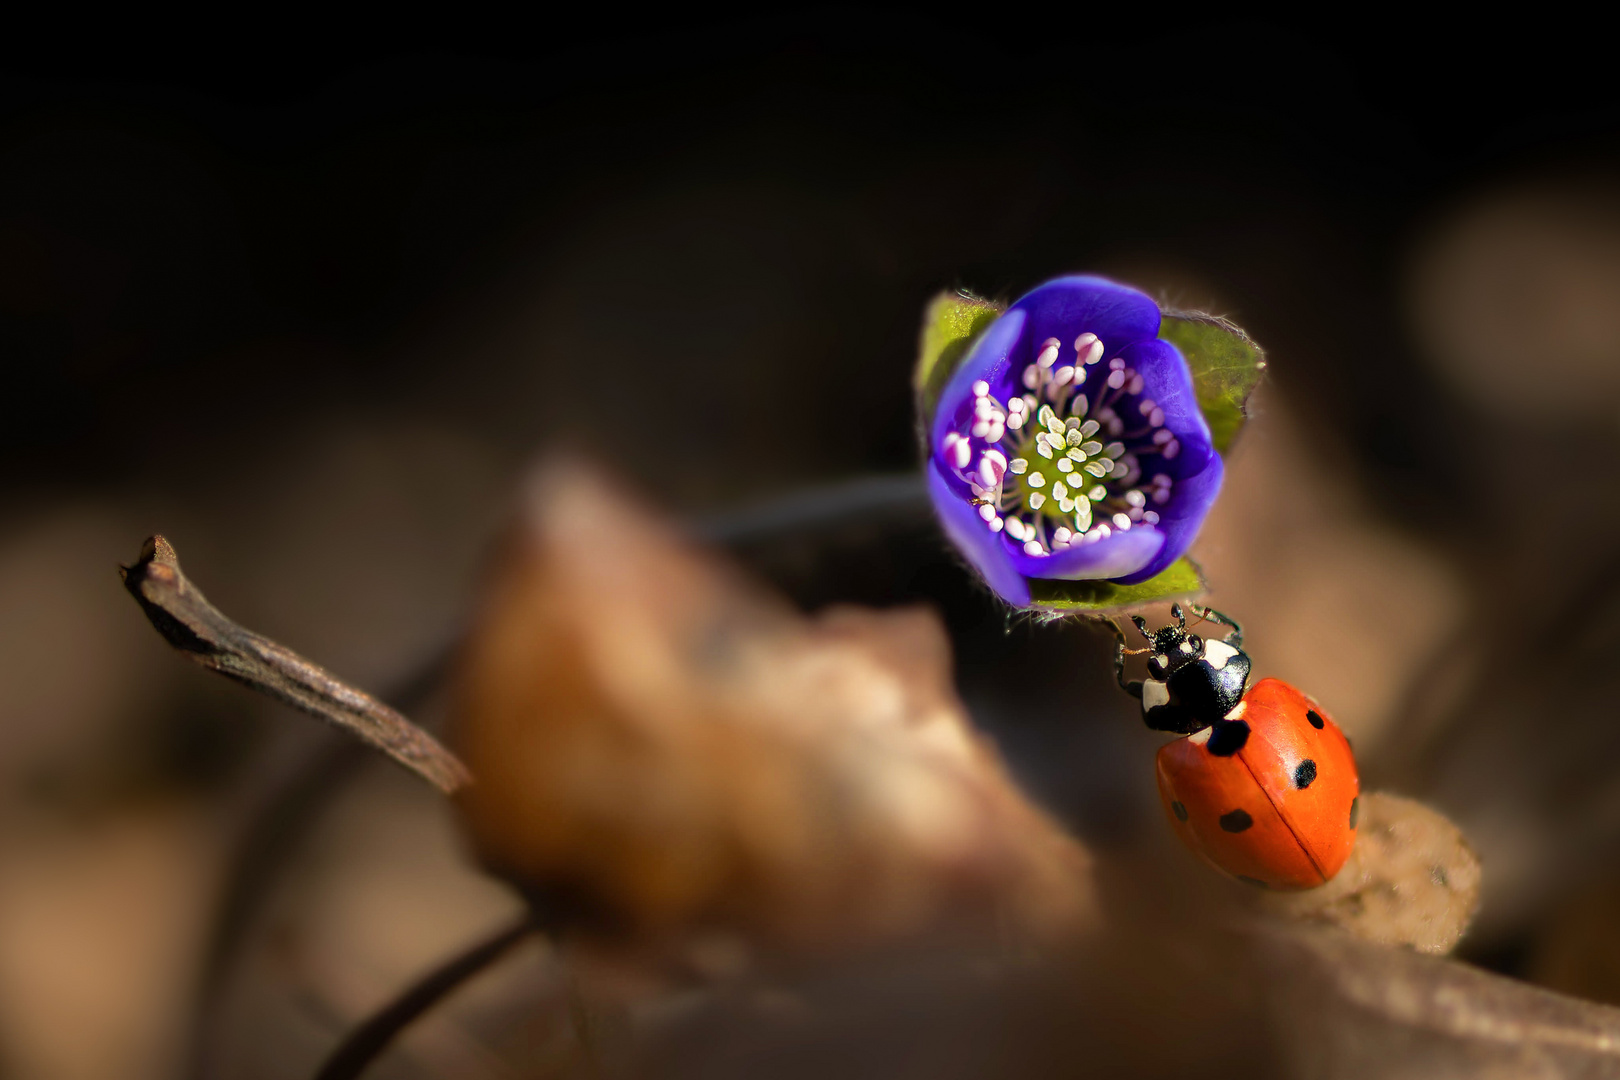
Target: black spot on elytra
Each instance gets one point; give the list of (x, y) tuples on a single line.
[(1179, 810), (1304, 773), (1236, 821), (1355, 810), (1315, 718), (1228, 738), (1253, 881)]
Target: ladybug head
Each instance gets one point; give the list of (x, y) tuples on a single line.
[(1173, 646)]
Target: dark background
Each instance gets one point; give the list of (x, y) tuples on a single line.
[(309, 298)]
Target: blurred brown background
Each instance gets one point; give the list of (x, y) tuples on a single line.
[(311, 306)]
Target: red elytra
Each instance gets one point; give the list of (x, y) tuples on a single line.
[(1279, 811)]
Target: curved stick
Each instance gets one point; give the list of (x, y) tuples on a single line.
[(371, 1038), (178, 610)]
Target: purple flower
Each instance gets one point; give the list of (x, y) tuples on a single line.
[(1069, 443)]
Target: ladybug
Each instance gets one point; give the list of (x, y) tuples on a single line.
[(1262, 783)]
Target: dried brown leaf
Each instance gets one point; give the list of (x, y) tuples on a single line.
[(663, 748), (1412, 879)]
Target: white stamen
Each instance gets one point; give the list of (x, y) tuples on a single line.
[(1089, 428), (1079, 405), (980, 388), (1097, 494), (1121, 522), (1082, 515), (1016, 405), (1041, 446), (1035, 479), (1049, 353), (1104, 532), (1018, 465), (1059, 491), (1114, 449), (1063, 376), (1015, 420), (1092, 448), (1135, 497), (1117, 364), (1032, 377), (1172, 449), (998, 429), (1015, 528), (958, 450), (987, 512), (1065, 465), (1162, 436), (981, 429), (1136, 385), (997, 524), (1116, 380), (1062, 535), (1066, 505), (1157, 418), (1097, 469), (1146, 406), (1085, 345), (1036, 500), (1033, 547), (1150, 517)]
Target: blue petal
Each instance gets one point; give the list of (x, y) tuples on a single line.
[(989, 359), (1197, 469), (983, 548), (1167, 381), (1066, 307), (1182, 517), (1120, 554)]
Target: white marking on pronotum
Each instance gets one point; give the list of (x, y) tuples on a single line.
[(1200, 737), (1218, 653), (1154, 694), (1238, 710)]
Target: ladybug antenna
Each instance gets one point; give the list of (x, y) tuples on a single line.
[(1141, 627), (1175, 611)]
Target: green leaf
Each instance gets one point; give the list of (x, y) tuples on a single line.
[(951, 323), (1179, 581), (1225, 364)]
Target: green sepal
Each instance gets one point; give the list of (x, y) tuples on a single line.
[(1181, 580), (1225, 363), (951, 323)]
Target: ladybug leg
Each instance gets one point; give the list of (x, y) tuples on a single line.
[(1235, 638), (1133, 688)]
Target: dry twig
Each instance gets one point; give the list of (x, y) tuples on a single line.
[(178, 610)]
